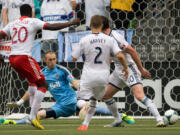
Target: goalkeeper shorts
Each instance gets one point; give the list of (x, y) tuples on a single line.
[(64, 110)]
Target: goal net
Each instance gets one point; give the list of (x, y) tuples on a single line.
[(156, 38)]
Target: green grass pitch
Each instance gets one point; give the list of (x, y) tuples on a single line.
[(69, 126)]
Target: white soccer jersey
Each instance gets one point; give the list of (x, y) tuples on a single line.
[(123, 44), (22, 32), (97, 49), (53, 12), (95, 7), (13, 7)]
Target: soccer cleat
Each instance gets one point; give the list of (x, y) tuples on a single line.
[(84, 110), (2, 121), (7, 122), (115, 124), (161, 124), (127, 119), (36, 123), (12, 105), (82, 128), (37, 118)]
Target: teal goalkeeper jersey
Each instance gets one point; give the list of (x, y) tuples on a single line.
[(58, 80)]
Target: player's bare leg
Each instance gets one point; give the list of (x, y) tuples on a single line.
[(110, 92), (111, 104), (139, 94), (41, 114), (29, 95), (20, 102)]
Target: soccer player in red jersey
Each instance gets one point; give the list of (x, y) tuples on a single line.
[(22, 32)]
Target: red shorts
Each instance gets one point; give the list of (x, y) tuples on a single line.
[(27, 67)]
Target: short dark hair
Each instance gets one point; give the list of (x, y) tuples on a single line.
[(50, 52), (96, 21), (105, 22), (26, 10)]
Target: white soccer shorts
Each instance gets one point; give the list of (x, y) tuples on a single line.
[(116, 78), (85, 92)]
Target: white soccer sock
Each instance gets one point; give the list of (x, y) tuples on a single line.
[(38, 97), (80, 103), (111, 104), (152, 108), (91, 112), (31, 90)]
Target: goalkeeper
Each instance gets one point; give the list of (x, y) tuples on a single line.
[(58, 79)]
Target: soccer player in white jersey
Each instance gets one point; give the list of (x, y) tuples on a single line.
[(10, 9), (97, 48), (136, 70), (22, 32)]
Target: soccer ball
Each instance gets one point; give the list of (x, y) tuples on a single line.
[(170, 117)]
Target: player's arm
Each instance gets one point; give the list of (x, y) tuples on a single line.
[(137, 60), (58, 26), (5, 16), (72, 80), (75, 84), (128, 49), (134, 56), (5, 12), (117, 52), (5, 32), (77, 51), (122, 59)]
